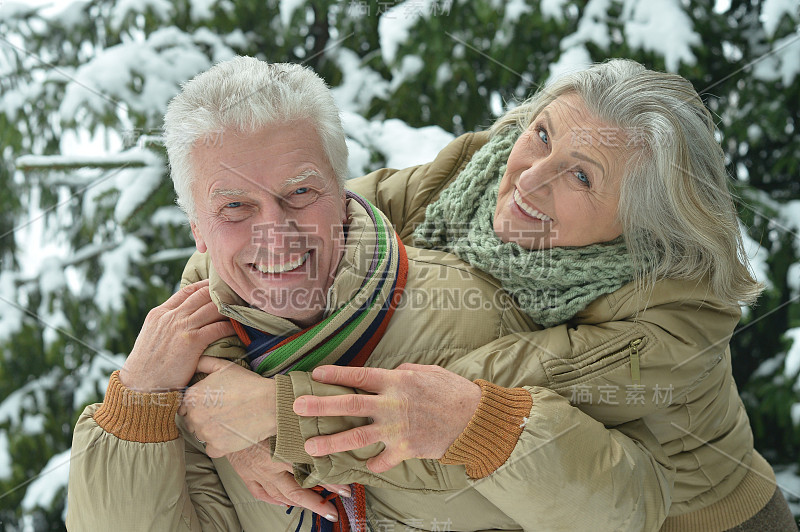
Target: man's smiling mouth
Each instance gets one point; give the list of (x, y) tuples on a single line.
[(285, 267)]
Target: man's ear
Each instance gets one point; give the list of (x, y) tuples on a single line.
[(198, 239)]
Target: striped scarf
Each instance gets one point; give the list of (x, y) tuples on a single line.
[(345, 338)]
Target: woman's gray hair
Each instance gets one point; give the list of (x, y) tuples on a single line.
[(245, 95), (675, 205)]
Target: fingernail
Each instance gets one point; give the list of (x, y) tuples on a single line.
[(344, 492), (311, 447), (318, 373), (332, 518), (300, 406)]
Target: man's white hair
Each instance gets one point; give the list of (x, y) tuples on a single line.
[(245, 95)]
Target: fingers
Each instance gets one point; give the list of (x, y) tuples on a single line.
[(208, 364), (368, 379), (306, 498), (343, 441), (183, 294), (258, 491), (341, 489), (220, 329), (207, 313), (354, 404), (384, 461)]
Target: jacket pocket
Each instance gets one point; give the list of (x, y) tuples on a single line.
[(565, 373)]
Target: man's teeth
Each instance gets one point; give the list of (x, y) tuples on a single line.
[(528, 209), (280, 268)]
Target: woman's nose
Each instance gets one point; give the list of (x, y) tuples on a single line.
[(538, 179)]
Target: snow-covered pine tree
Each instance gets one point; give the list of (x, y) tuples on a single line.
[(90, 238)]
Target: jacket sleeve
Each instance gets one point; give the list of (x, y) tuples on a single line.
[(403, 195), (130, 469)]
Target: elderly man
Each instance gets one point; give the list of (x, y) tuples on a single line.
[(298, 272)]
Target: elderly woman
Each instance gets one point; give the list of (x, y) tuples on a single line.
[(602, 205)]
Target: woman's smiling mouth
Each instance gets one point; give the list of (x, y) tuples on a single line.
[(527, 209)]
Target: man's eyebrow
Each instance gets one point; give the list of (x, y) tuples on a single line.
[(302, 177), (549, 124), (583, 157), (228, 192)]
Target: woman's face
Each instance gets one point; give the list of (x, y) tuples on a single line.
[(561, 186)]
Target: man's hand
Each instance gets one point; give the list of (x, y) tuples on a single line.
[(231, 409), (417, 411), (173, 337), (273, 482)]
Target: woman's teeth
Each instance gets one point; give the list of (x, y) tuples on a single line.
[(528, 209), (280, 268)]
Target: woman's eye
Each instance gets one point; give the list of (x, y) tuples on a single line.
[(582, 177), (301, 190), (234, 204), (543, 136)]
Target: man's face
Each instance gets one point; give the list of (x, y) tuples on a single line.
[(270, 214)]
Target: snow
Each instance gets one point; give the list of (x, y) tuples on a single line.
[(113, 283), (168, 216), (574, 59), (124, 8), (788, 479), (757, 255), (26, 397), (287, 9), (5, 456), (553, 9), (109, 78), (792, 365), (202, 9), (137, 185), (410, 66), (360, 84), (592, 27), (395, 25), (661, 26), (783, 63), (772, 11), (52, 479), (11, 317), (95, 377), (517, 8)]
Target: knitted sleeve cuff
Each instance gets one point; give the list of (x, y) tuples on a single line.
[(492, 433), (289, 442), (136, 416)]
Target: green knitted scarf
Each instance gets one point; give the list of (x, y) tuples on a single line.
[(550, 285)]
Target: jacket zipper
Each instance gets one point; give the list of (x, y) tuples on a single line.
[(634, 347)]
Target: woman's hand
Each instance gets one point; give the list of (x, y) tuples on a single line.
[(231, 409), (418, 411), (274, 482), (173, 337)]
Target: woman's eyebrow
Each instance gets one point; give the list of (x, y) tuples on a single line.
[(549, 124), (583, 157)]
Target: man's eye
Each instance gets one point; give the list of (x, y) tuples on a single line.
[(234, 204), (301, 190)]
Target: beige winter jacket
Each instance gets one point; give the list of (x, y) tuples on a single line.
[(630, 419)]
